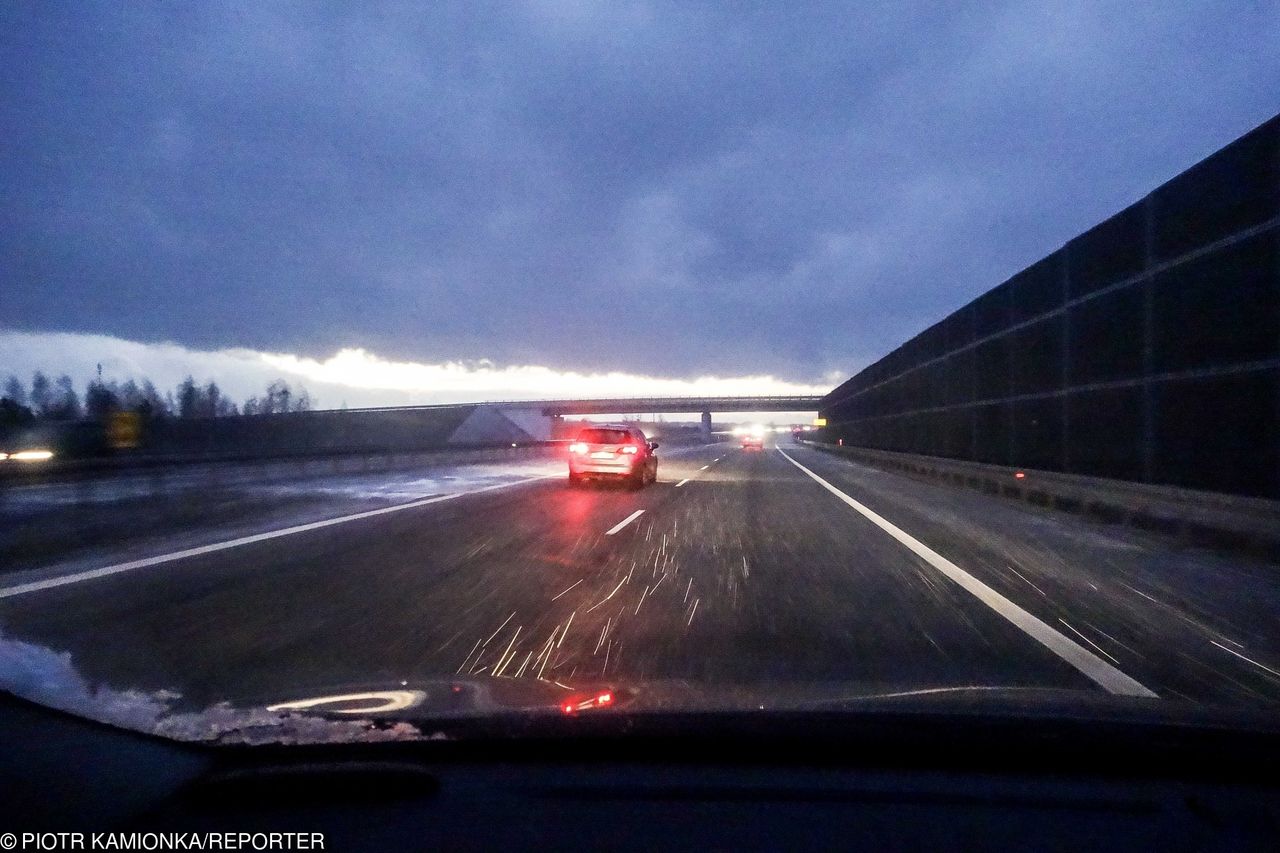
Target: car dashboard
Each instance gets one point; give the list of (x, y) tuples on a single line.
[(661, 782)]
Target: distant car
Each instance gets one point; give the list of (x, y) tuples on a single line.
[(613, 452), (753, 442)]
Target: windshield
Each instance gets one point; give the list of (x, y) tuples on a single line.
[(334, 344)]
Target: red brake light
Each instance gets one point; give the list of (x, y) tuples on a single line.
[(578, 447), (630, 448)]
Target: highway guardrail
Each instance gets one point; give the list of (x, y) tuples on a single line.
[(1194, 516)]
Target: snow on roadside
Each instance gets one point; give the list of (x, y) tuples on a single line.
[(49, 678)]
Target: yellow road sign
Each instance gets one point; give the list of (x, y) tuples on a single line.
[(124, 430)]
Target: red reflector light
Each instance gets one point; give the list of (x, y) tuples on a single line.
[(600, 700), (1019, 476)]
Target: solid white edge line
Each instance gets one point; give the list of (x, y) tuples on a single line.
[(682, 482), (1093, 667), (624, 522), (105, 571)]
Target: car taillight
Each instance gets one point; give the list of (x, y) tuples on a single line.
[(630, 448), (578, 447)]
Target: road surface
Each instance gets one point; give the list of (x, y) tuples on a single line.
[(785, 566)]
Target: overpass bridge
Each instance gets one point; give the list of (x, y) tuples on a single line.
[(500, 420), (537, 417), (627, 405)]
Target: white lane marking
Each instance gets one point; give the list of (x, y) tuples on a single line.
[(91, 574), (1242, 657), (703, 468), (1095, 668), (624, 522)]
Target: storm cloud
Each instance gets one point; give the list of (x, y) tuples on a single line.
[(670, 190)]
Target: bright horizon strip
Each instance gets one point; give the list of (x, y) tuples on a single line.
[(360, 368), (356, 377)]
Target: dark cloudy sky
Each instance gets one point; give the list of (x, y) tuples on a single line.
[(668, 189)]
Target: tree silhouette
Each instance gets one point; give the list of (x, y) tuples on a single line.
[(41, 394), (279, 399), (188, 394), (129, 395), (12, 411), (15, 392), (101, 399), (58, 400), (66, 402), (151, 404)]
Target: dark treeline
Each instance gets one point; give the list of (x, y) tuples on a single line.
[(58, 400)]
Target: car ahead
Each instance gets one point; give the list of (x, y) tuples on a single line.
[(753, 442), (613, 452)]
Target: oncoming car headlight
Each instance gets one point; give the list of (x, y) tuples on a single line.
[(27, 456)]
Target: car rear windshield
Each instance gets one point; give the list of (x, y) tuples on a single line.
[(605, 436)]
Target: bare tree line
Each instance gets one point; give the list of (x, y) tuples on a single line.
[(57, 399)]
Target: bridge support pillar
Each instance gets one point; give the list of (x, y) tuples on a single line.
[(706, 426)]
